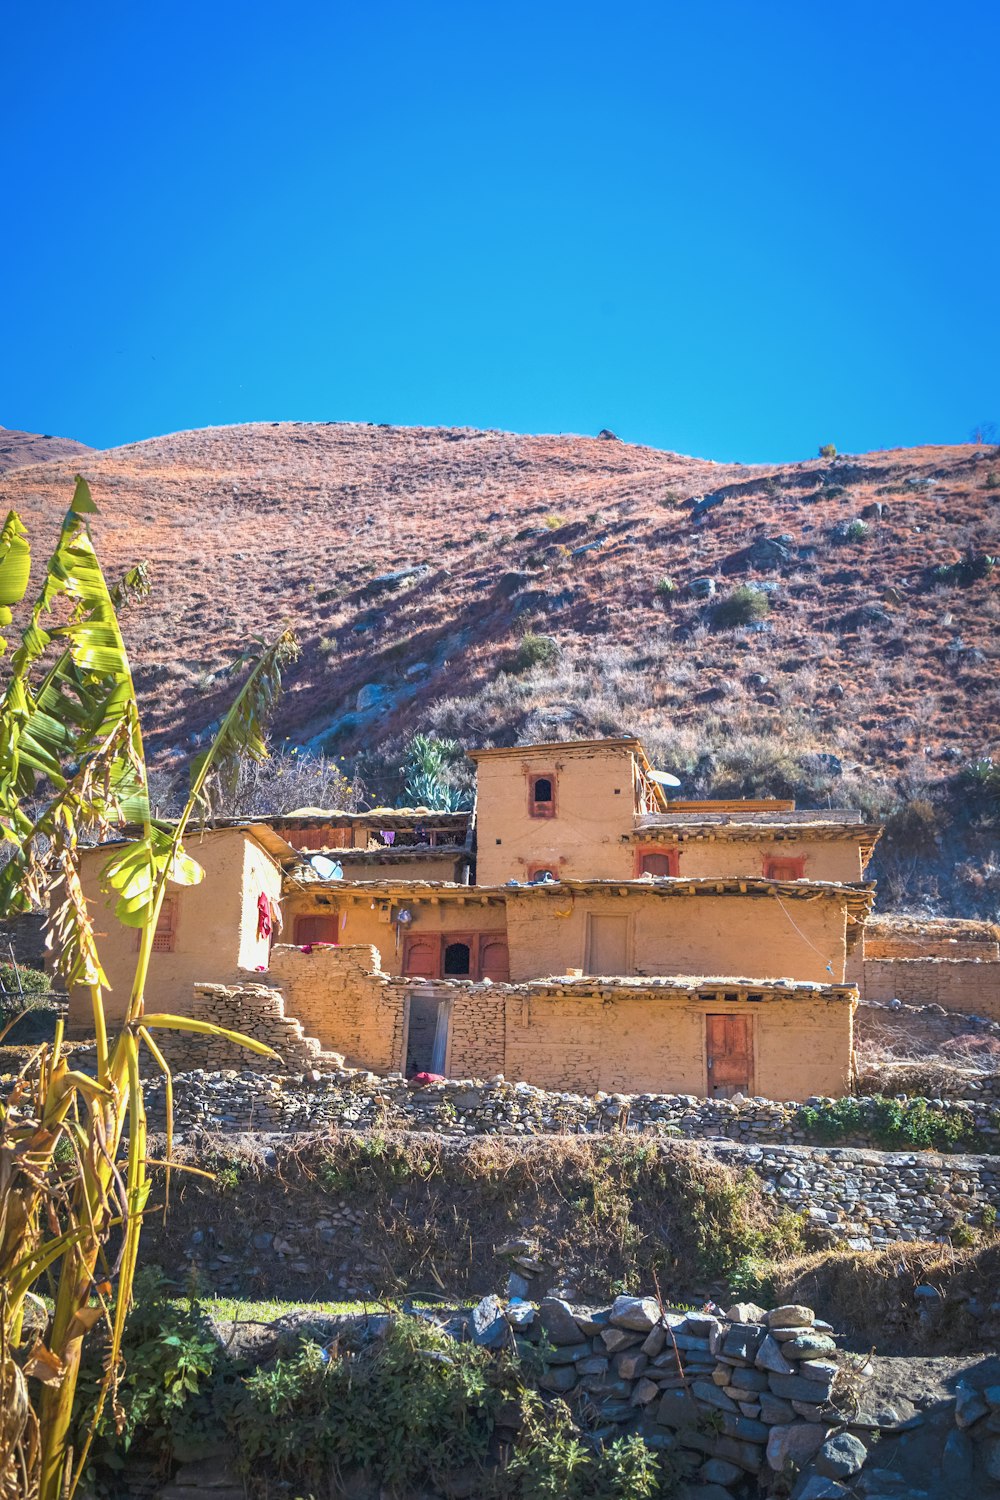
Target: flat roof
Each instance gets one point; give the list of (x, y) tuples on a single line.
[(726, 988), (667, 827), (561, 745), (373, 814), (858, 895), (280, 849)]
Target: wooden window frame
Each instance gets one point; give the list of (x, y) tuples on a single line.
[(538, 809), (673, 856), (165, 936), (588, 943), (796, 862), (474, 942)]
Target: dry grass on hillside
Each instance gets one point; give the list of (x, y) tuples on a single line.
[(879, 646)]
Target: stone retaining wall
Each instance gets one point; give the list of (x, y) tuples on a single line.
[(859, 1197), (964, 984), (352, 1099)]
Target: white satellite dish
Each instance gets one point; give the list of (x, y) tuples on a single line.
[(663, 778), (327, 869)]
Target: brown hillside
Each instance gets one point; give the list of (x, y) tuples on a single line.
[(19, 448), (865, 655)]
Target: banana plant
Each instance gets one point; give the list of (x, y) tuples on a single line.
[(72, 768)]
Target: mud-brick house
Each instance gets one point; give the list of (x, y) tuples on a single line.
[(212, 928), (584, 928)]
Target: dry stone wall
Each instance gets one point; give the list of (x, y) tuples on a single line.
[(746, 1393), (963, 984), (856, 1197)]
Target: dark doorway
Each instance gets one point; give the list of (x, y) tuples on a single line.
[(457, 958), (426, 1035)]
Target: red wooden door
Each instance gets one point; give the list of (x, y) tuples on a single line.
[(494, 962), (319, 927), (728, 1046), (422, 956)]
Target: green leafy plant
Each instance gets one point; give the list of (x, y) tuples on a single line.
[(429, 773), (827, 450), (23, 981), (892, 1123), (72, 765), (410, 1407), (171, 1359), (533, 650), (665, 589), (742, 607), (846, 532)]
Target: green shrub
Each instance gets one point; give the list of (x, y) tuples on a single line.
[(993, 480), (742, 607), (980, 784), (533, 651), (411, 1407), (890, 1123), (554, 522), (551, 1463), (172, 1358), (33, 982), (846, 532), (828, 451), (972, 568), (665, 589)]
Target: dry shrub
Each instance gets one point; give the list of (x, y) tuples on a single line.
[(603, 1214), (919, 1079), (869, 1294)]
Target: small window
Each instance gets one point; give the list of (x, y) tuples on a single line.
[(657, 862), (542, 797), (784, 869), (166, 928), (457, 960), (541, 874)]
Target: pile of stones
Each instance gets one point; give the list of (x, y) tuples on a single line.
[(741, 1399)]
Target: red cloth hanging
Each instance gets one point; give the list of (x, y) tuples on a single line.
[(263, 916)]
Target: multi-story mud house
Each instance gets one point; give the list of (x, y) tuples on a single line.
[(580, 931)]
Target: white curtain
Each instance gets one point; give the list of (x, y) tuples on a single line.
[(440, 1050)]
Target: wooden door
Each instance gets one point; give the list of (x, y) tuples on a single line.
[(730, 1055), (607, 946), (319, 927), (494, 962), (422, 956)]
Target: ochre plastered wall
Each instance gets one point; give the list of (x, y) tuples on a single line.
[(365, 924), (653, 1044), (594, 808), (443, 866), (592, 1038), (215, 927), (682, 934), (823, 859)]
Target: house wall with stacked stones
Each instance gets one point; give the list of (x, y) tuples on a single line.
[(583, 1035), (963, 984), (344, 999)]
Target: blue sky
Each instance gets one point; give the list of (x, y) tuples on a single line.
[(735, 230)]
